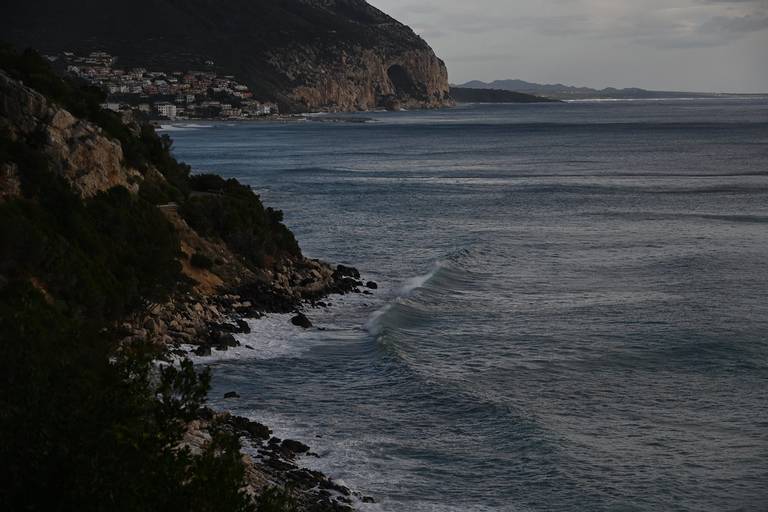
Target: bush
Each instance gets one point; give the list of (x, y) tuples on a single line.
[(201, 261), (85, 428), (231, 211)]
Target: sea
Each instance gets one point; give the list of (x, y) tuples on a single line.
[(572, 311)]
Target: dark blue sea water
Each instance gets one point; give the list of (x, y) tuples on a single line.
[(573, 313)]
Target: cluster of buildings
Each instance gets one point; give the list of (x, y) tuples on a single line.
[(175, 95)]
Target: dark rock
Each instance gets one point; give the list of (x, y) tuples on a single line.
[(304, 479), (223, 339), (231, 394), (249, 347), (203, 350), (280, 465), (301, 320), (243, 326), (252, 428), (344, 271), (367, 499), (294, 446), (274, 440), (265, 298), (223, 328), (372, 285), (330, 484), (345, 285)]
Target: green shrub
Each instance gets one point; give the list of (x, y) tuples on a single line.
[(86, 428), (230, 211)]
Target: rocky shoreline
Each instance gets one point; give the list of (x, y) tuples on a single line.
[(202, 322), (271, 462), (212, 290)]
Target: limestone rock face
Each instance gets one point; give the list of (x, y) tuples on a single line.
[(79, 151), (368, 79), (305, 54)]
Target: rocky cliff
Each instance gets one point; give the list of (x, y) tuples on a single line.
[(100, 275), (305, 54), (78, 150)]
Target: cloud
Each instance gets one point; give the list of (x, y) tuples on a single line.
[(576, 35)]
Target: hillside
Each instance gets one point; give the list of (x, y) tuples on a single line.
[(561, 91), (113, 257), (304, 54), (467, 95)]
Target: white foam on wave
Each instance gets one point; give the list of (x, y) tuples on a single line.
[(181, 127), (374, 324), (417, 282), (274, 336), (271, 337), (354, 461)]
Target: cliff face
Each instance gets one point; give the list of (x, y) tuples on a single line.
[(78, 150), (365, 80), (305, 54)]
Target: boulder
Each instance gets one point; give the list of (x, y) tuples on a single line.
[(251, 428), (231, 394), (294, 447), (223, 339), (344, 271), (243, 326), (302, 321), (372, 285), (203, 350)]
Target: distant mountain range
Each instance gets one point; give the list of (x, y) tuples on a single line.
[(560, 91), (478, 95)]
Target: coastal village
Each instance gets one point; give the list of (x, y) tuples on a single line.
[(162, 95)]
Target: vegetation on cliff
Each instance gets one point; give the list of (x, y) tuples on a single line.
[(86, 424), (231, 211), (304, 54)]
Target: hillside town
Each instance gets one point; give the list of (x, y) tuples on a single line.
[(166, 95)]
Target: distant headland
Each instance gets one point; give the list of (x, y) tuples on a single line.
[(570, 92), (303, 55)]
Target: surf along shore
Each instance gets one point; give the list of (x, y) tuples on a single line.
[(204, 322), (111, 247)]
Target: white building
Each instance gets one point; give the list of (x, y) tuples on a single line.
[(166, 110)]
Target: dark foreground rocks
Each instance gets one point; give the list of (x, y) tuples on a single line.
[(270, 461), (211, 322), (302, 321)]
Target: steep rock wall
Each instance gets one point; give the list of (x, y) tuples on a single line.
[(305, 54), (78, 150)]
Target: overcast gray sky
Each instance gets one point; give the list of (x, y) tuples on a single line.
[(695, 45)]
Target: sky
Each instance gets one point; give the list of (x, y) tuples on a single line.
[(681, 45)]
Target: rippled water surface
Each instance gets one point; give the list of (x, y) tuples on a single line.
[(573, 312)]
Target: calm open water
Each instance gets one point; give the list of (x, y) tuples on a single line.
[(573, 313)]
